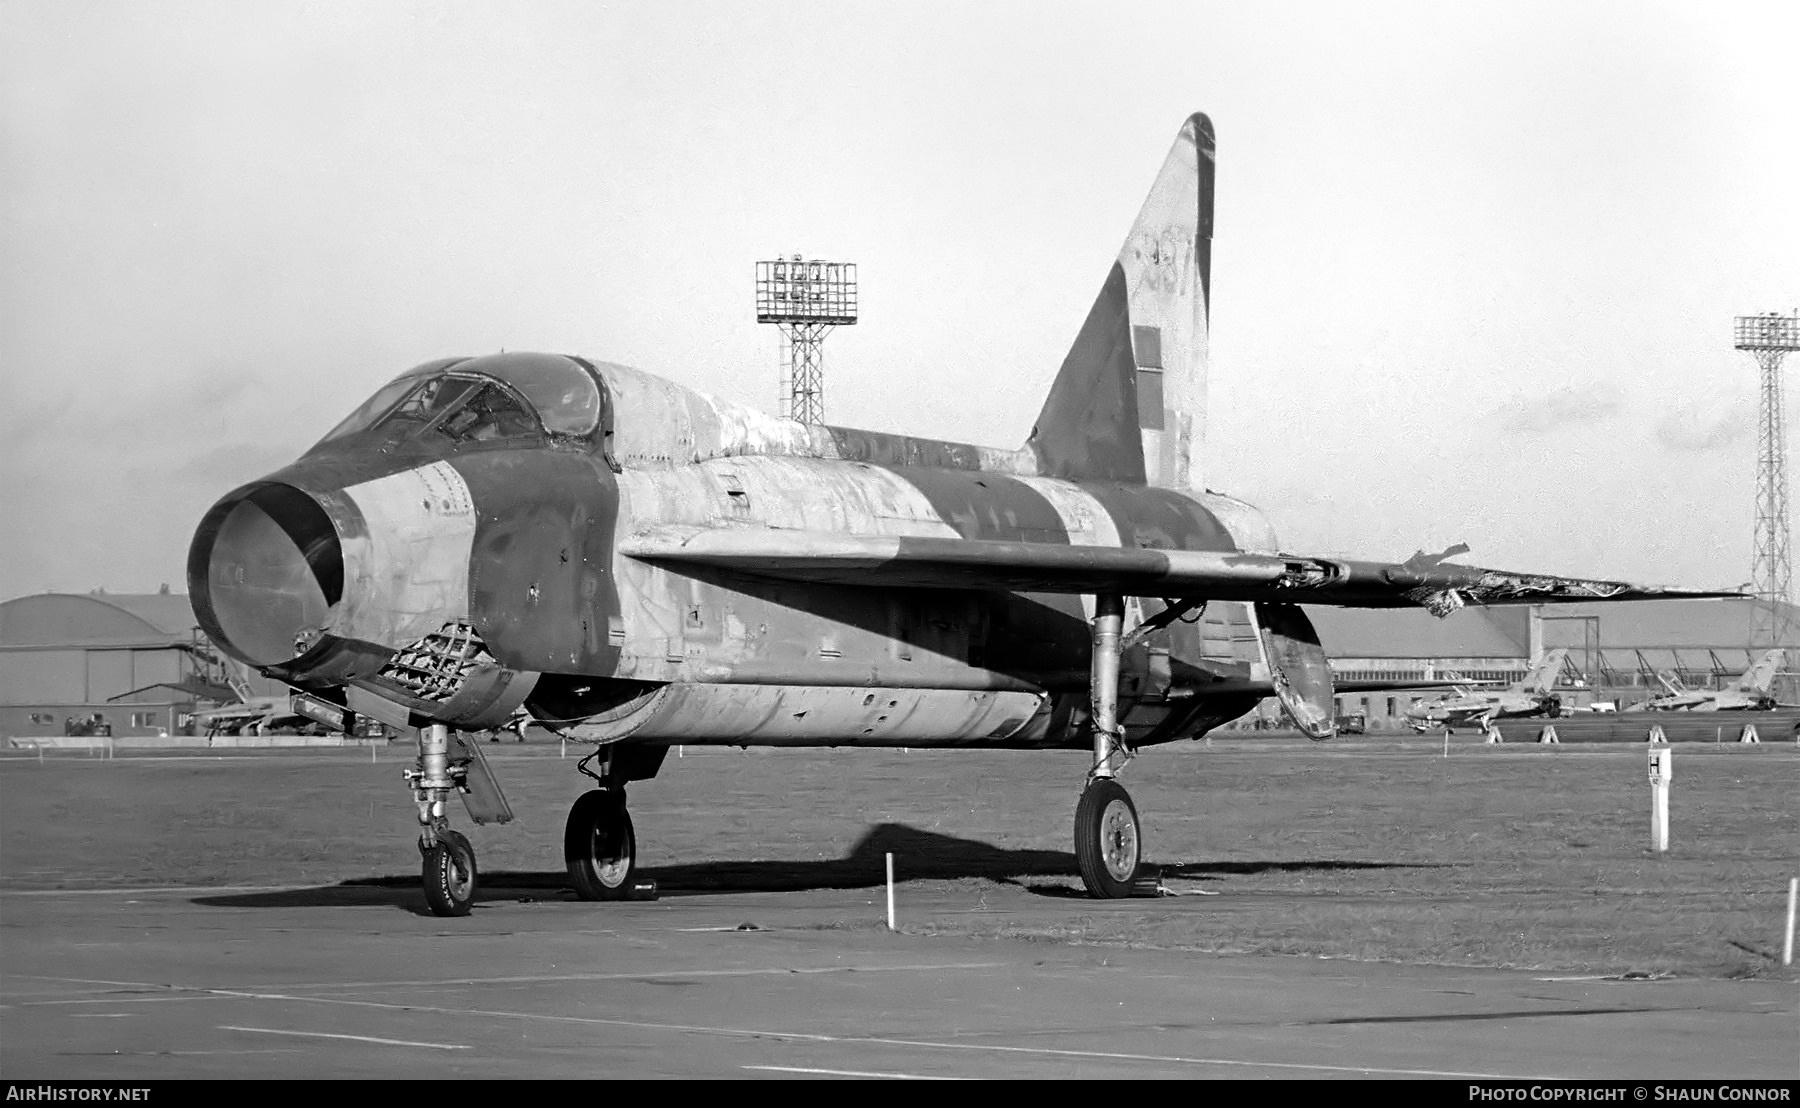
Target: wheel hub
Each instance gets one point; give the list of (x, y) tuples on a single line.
[(609, 867), (1119, 840), (457, 877)]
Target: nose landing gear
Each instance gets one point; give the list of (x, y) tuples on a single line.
[(448, 861), (450, 762)]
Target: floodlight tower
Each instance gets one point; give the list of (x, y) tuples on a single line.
[(806, 299), (1769, 338)]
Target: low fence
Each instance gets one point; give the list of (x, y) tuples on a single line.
[(1639, 727), (91, 743)]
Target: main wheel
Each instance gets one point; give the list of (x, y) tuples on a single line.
[(1107, 844), (600, 846), (450, 875)]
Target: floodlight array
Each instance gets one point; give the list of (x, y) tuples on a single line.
[(798, 290)]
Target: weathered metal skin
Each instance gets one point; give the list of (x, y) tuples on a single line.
[(540, 585), (520, 544), (700, 461), (816, 715), (432, 555)]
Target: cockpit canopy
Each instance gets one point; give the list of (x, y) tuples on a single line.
[(499, 397)]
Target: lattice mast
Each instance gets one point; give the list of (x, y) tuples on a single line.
[(1769, 338), (806, 299)]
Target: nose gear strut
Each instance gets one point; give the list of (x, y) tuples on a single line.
[(447, 858)]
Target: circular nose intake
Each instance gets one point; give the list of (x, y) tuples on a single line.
[(264, 571)]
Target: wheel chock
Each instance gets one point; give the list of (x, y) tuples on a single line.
[(1548, 734), (1148, 885), (1748, 734)]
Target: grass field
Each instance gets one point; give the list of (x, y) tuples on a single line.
[(1500, 856)]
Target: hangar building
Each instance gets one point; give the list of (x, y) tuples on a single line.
[(136, 660), (1615, 650)]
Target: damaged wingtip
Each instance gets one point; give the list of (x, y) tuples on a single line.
[(1422, 560)]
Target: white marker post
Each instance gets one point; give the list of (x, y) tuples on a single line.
[(1662, 770), (1787, 944), (890, 879)]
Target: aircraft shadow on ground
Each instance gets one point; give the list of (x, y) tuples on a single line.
[(918, 856)]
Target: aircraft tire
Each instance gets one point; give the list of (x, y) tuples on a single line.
[(1108, 844), (600, 846), (450, 876)]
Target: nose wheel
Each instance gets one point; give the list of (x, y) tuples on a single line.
[(1108, 846), (449, 871)]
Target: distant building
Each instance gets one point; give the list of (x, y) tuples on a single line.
[(1411, 644), (1615, 650), (136, 660)]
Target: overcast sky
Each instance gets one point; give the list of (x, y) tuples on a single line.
[(1474, 274)]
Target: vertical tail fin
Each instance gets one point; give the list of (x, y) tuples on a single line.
[(1130, 401), (1542, 677), (1760, 677)]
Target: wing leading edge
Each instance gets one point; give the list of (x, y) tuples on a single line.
[(890, 561)]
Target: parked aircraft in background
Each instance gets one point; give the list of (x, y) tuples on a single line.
[(640, 565), (1530, 696), (256, 716), (249, 714), (1749, 693)]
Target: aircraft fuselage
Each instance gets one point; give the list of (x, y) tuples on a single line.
[(462, 579)]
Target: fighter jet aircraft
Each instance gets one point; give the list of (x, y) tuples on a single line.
[(1749, 693), (1529, 696), (256, 716), (640, 565), (249, 714)]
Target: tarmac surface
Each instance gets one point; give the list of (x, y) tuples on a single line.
[(358, 982)]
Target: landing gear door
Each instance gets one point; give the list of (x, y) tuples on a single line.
[(1297, 667), (480, 789)]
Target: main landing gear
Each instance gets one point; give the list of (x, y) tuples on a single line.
[(599, 844), (1108, 844)]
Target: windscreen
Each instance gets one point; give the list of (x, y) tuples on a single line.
[(494, 397), (372, 409)]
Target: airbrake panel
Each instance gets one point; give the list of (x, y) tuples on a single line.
[(1298, 667)]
